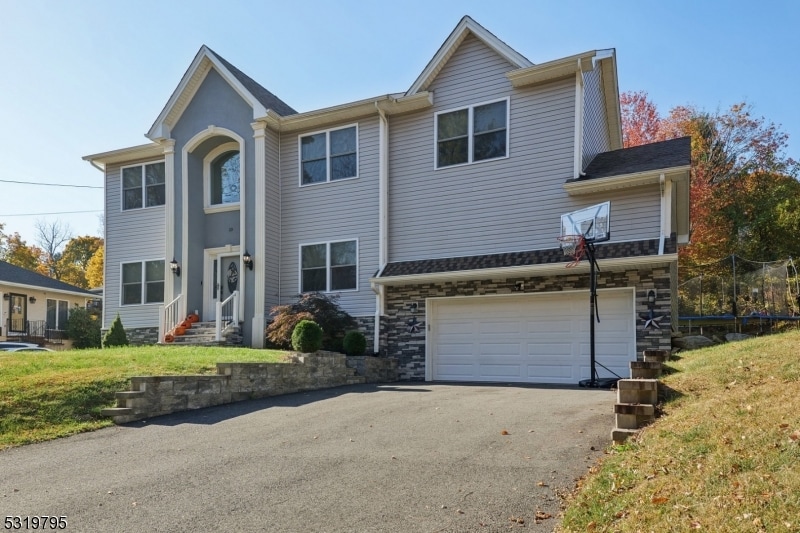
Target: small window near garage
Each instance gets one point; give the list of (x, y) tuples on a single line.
[(143, 282), (143, 186), (329, 266), (329, 155), (472, 134)]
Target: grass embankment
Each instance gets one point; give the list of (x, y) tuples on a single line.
[(723, 456), (54, 394)]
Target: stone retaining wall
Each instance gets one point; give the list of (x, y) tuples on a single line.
[(151, 396)]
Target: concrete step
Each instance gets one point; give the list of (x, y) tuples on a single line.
[(116, 411), (645, 369), (637, 391), (128, 394), (634, 415), (656, 355), (619, 436)]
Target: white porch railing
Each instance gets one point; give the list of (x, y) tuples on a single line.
[(227, 314), (171, 316)]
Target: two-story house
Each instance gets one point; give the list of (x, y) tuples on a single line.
[(433, 213)]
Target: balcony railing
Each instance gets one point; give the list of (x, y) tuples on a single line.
[(36, 331)]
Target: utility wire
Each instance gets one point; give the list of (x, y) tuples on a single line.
[(53, 184), (56, 213)]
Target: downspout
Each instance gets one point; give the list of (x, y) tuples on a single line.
[(662, 184), (383, 220)]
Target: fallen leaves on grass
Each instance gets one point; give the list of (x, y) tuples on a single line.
[(505, 432)]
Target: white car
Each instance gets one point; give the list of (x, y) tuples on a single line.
[(33, 348), (13, 344)]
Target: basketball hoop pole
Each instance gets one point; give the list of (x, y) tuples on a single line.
[(594, 381)]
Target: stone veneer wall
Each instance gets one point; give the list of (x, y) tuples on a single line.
[(151, 396), (366, 325), (409, 346), (138, 336)]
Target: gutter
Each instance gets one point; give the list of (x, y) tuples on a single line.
[(383, 218)]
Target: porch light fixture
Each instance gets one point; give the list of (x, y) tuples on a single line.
[(413, 306), (175, 267), (519, 286), (6, 296), (247, 259), (32, 299), (651, 299)]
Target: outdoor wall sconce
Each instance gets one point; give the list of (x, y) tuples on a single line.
[(519, 286), (651, 299), (413, 306), (32, 299), (175, 267), (247, 259), (6, 296)]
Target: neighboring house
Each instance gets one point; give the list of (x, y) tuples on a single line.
[(34, 305), (433, 214)]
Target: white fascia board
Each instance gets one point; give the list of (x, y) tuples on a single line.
[(550, 269), (552, 70), (608, 66), (576, 188), (176, 105), (142, 151), (48, 290), (465, 26), (389, 104)]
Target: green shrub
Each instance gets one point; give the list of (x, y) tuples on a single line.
[(116, 335), (307, 337), (322, 309), (354, 343), (83, 329)]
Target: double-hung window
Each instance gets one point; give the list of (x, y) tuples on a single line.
[(57, 314), (329, 266), (143, 186), (471, 134), (143, 282), (329, 155)]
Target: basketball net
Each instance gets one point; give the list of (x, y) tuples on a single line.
[(573, 246)]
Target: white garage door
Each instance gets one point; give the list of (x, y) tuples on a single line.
[(540, 338)]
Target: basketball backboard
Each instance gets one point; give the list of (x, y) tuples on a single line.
[(592, 222)]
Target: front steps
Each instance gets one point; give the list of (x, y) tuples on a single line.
[(205, 334), (638, 396)]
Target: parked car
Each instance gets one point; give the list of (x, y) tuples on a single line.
[(33, 348), (14, 344)]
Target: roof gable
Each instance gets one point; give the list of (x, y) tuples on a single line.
[(465, 27), (15, 275), (259, 98)]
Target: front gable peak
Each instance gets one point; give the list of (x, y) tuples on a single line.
[(259, 98), (464, 28)]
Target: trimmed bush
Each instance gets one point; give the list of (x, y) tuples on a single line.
[(307, 337), (83, 329), (116, 335), (354, 343), (322, 309)]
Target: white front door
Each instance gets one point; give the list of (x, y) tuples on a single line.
[(222, 275)]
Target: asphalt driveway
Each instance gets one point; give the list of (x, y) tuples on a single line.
[(397, 457)]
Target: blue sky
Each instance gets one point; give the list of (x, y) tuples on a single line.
[(83, 77)]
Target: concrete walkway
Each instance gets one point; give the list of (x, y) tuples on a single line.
[(397, 457)]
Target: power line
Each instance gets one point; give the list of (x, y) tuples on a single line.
[(53, 184), (55, 213)]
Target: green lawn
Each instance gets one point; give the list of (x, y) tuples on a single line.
[(45, 395), (722, 457)]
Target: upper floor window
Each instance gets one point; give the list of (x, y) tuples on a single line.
[(222, 176), (143, 186), (329, 266), (143, 282), (470, 134), (329, 155)]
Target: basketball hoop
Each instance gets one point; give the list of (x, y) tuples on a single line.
[(573, 246)]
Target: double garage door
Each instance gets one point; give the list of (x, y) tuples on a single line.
[(533, 338)]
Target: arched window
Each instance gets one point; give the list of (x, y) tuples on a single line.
[(225, 183)]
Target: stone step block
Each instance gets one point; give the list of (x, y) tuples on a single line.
[(645, 370), (656, 355), (637, 391), (116, 411), (619, 436), (634, 415)]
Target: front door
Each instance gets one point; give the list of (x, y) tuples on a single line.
[(16, 313), (224, 272)]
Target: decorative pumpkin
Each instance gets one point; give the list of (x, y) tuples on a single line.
[(193, 318), (168, 338), (186, 324), (180, 330)]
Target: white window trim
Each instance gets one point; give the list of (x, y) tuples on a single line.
[(208, 207), (327, 156), (327, 265), (58, 326), (143, 282), (470, 133), (144, 186)]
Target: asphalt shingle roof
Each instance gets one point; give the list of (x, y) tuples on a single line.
[(654, 156), (14, 274), (267, 99)]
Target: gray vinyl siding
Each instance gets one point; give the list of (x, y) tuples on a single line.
[(335, 211), (502, 205), (635, 213), (132, 235), (272, 219), (595, 128)]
